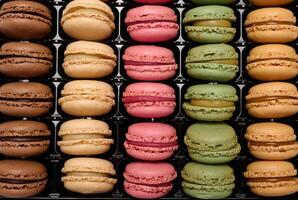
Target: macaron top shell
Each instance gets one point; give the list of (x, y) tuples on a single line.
[(159, 173), (90, 48), (209, 13), (205, 136), (23, 128), (270, 132), (270, 169), (276, 89), (208, 174), (28, 90), (84, 126), (26, 49), (264, 15), (265, 3), (22, 170), (211, 52), (151, 132), (212, 92), (148, 54), (95, 165), (150, 13), (97, 5)]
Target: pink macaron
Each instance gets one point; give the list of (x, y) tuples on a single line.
[(151, 141), (153, 1), (149, 63), (152, 23), (149, 100), (149, 180)]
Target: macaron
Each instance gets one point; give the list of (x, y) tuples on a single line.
[(271, 141), (25, 60), (151, 141), (25, 99), (25, 20), (149, 100), (83, 59), (272, 62), (153, 1), (263, 3), (85, 137), (212, 62), (87, 98), (22, 178), (88, 175), (152, 23), (149, 63), (205, 144), (207, 181), (210, 102), (212, 2), (153, 183), (24, 138), (88, 20), (271, 25), (272, 178), (210, 24), (272, 100)]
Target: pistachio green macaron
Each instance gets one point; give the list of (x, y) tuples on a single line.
[(210, 24), (207, 181), (213, 62), (210, 102), (212, 143)]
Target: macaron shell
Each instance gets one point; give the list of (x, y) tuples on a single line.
[(85, 186), (153, 1), (212, 2), (22, 190), (263, 3)]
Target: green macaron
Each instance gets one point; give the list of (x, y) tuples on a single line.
[(210, 102), (207, 181), (212, 2), (210, 24), (212, 143), (212, 62)]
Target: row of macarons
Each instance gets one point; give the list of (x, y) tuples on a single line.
[(205, 144), (90, 60), (94, 21), (205, 102)]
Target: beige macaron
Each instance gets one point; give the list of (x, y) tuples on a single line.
[(87, 98), (272, 62), (85, 59), (89, 175), (271, 141), (85, 137), (88, 20)]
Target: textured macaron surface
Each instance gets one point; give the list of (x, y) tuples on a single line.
[(25, 59), (25, 20), (212, 2)]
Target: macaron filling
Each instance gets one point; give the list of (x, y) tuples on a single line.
[(15, 181), (211, 103), (213, 23), (136, 99), (152, 144), (24, 139)]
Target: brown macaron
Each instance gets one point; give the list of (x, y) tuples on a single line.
[(272, 178), (272, 100), (272, 62), (271, 25), (22, 178), (25, 20), (25, 60), (271, 141), (268, 3), (24, 138), (25, 99)]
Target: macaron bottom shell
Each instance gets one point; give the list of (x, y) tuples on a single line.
[(85, 186), (22, 190), (207, 113), (275, 155), (210, 34), (207, 192), (85, 149), (154, 111), (150, 75), (150, 156), (24, 109)]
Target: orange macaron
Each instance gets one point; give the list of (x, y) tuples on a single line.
[(271, 141), (272, 62), (266, 3), (272, 100), (271, 25), (272, 178)]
